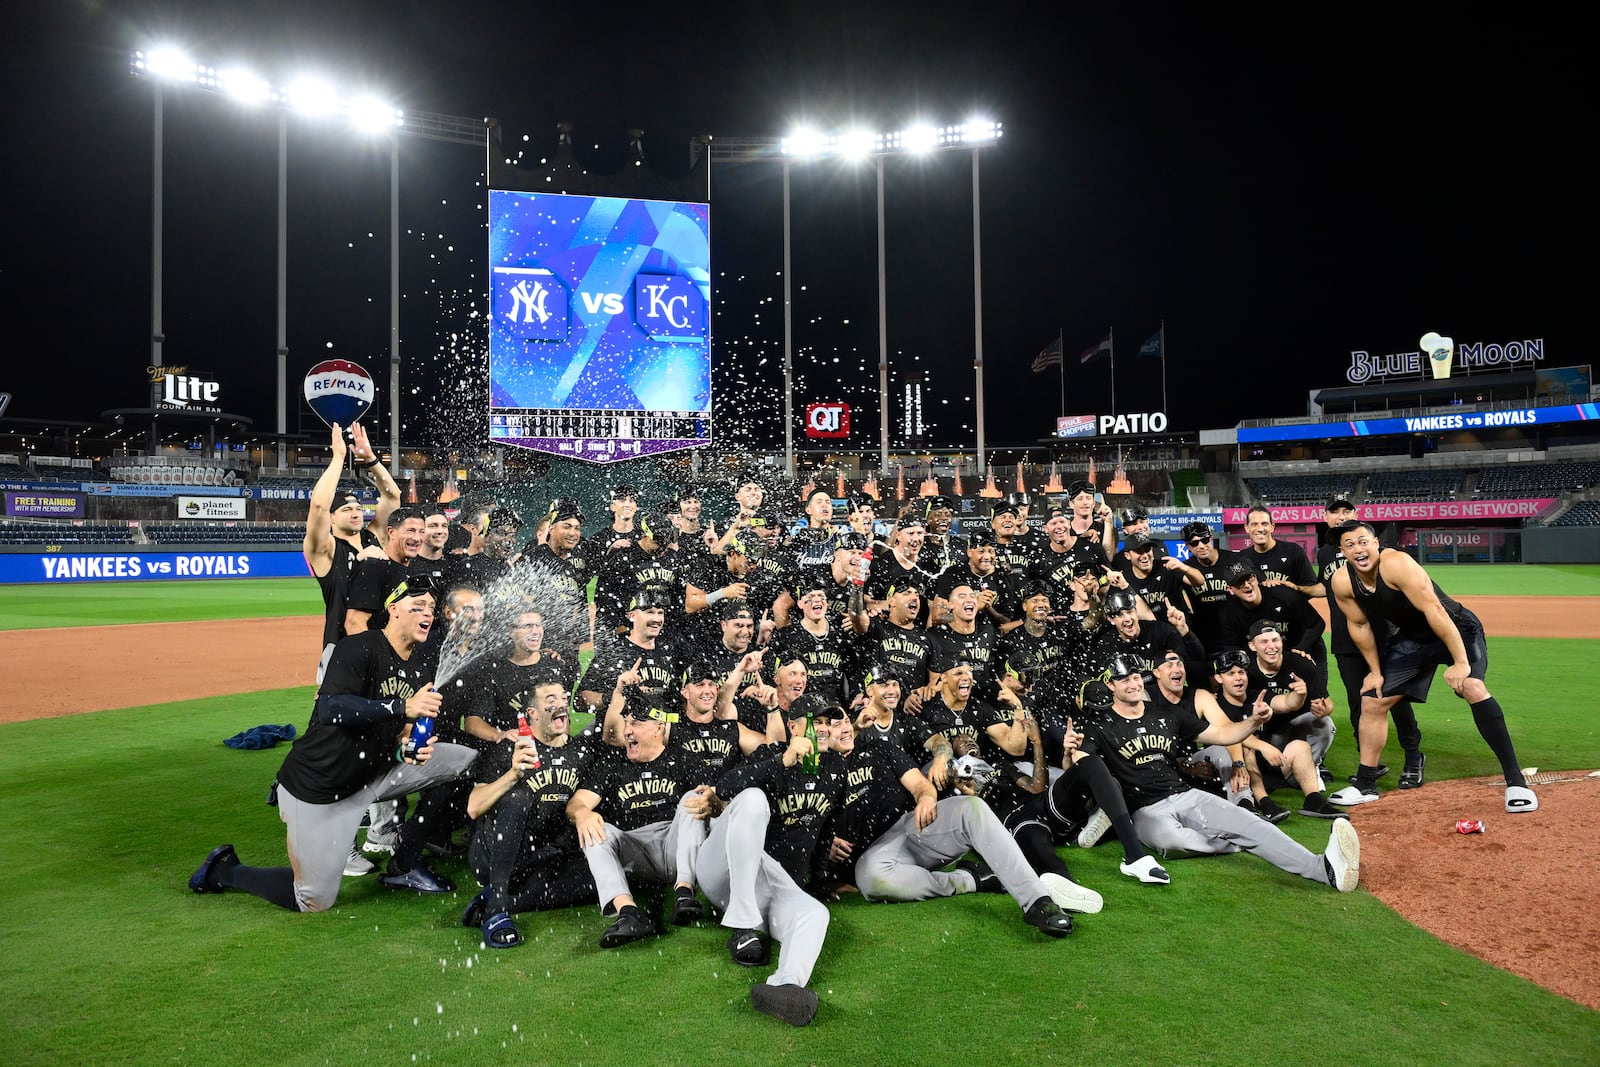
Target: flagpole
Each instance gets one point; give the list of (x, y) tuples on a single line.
[(1061, 350), (1111, 336), (1163, 365)]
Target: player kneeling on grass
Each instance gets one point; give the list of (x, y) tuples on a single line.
[(524, 851), (1137, 742), (350, 756)]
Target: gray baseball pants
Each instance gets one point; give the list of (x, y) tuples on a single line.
[(903, 863), (320, 835), (754, 892), (662, 852), (1197, 823)]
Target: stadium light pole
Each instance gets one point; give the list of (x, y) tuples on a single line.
[(170, 66), (920, 139)]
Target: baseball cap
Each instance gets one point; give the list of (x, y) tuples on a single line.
[(1004, 507), (763, 517), (981, 536), (734, 608), (1238, 573), (1019, 499), (939, 502), (803, 706), (1078, 487), (657, 526), (1228, 659), (1057, 512), (849, 541), (500, 515), (1138, 543), (1124, 664), (1033, 589), (1136, 513), (420, 584), (810, 580), (686, 492), (1191, 530), (1261, 626), (908, 583), (879, 674), (563, 508), (1118, 601), (702, 670), (1095, 694), (644, 705), (1340, 503), (1085, 565), (859, 499), (624, 492), (908, 520)]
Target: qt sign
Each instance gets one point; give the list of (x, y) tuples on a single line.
[(827, 420)]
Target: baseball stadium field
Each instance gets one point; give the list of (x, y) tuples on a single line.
[(112, 790)]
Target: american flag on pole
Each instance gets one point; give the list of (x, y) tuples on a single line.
[(1050, 357)]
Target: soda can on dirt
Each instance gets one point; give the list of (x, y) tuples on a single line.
[(421, 735), (1470, 826)]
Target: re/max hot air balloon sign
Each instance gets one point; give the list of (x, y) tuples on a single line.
[(339, 392)]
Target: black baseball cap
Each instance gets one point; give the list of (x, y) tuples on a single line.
[(702, 670), (687, 492), (763, 517), (1004, 507), (624, 492), (860, 499), (419, 584), (563, 508), (1095, 694), (1136, 513), (1340, 503), (1019, 499), (803, 706), (939, 502), (908, 520), (1078, 487), (1056, 511), (1196, 529), (1238, 573), (734, 608), (1118, 601), (850, 541), (880, 674), (981, 536), (657, 526), (1139, 542), (1261, 626), (501, 515), (909, 583), (645, 705), (1033, 589), (810, 579)]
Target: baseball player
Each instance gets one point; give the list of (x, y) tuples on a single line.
[(350, 756), (1137, 741), (1384, 591)]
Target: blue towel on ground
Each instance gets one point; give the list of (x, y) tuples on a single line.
[(261, 736)]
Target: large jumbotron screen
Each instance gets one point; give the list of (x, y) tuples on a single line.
[(600, 324)]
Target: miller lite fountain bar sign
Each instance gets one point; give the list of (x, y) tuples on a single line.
[(174, 389)]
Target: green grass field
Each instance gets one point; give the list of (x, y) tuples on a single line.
[(24, 607), (108, 956)]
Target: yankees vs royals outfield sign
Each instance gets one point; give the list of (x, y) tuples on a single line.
[(599, 325)]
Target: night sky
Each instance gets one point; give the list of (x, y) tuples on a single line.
[(1278, 188)]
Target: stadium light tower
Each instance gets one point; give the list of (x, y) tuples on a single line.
[(314, 97), (807, 144)]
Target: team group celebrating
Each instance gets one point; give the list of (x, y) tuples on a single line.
[(784, 711)]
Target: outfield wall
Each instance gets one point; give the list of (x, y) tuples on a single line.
[(1561, 544), (123, 564)]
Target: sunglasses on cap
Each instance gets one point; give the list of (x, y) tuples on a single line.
[(1230, 658)]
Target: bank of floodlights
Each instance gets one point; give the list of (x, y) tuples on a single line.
[(857, 143), (307, 95)]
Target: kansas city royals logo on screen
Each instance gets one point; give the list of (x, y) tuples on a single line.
[(530, 304), (339, 391), (668, 307)]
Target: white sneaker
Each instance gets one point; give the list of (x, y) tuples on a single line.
[(1344, 856), (1097, 827), (1070, 896), (1350, 796), (1147, 870), (1520, 798), (381, 839), (357, 864)]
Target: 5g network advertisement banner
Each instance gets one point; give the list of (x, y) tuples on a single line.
[(600, 324)]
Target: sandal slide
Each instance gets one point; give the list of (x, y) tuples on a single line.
[(473, 916), (500, 931), (1520, 798)]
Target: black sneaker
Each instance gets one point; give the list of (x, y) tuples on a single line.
[(1383, 772), (1248, 804), (987, 880), (748, 948), (632, 925), (1316, 806), (1044, 916), (1271, 810), (204, 879), (418, 879), (794, 1004), (686, 907), (1411, 777)]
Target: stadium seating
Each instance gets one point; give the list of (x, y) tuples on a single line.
[(1305, 489), (1583, 513), (89, 533), (1536, 479), (201, 534), (1413, 484)]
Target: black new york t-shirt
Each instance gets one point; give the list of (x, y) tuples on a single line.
[(1140, 752)]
